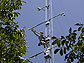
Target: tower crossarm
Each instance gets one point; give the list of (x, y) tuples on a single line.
[(40, 53), (47, 20)]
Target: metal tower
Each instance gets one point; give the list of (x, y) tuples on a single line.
[(49, 29), (48, 52)]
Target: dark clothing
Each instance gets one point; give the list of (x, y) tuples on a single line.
[(41, 38)]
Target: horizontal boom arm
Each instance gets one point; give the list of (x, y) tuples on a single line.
[(47, 20)]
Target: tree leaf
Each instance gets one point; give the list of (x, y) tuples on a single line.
[(68, 61), (58, 43), (56, 51), (52, 38), (82, 30), (68, 37), (66, 43), (67, 48), (81, 35), (54, 42), (72, 59), (73, 34), (23, 1), (62, 42), (62, 37), (64, 50), (70, 30), (79, 28), (74, 31), (77, 24), (61, 52), (66, 56), (24, 27)]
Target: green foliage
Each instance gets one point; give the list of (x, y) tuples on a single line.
[(12, 39), (56, 51), (72, 45), (70, 30)]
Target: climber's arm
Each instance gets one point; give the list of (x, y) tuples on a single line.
[(35, 32)]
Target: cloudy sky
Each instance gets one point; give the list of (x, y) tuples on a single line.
[(30, 16)]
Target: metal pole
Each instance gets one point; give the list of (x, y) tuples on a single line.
[(47, 24), (45, 16), (52, 51)]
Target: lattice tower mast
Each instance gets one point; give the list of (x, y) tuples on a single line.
[(48, 52), (49, 28)]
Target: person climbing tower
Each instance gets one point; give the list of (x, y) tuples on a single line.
[(41, 38)]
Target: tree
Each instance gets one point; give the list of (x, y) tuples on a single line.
[(12, 39), (72, 45)]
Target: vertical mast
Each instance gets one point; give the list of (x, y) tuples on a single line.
[(49, 28), (52, 33), (47, 16)]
